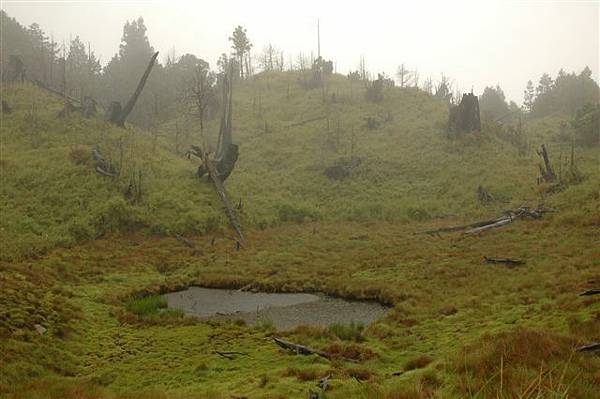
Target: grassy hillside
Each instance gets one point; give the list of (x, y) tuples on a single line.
[(458, 327), (52, 196)]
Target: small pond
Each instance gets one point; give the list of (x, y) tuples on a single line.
[(284, 310)]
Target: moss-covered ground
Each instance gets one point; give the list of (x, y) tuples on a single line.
[(77, 254)]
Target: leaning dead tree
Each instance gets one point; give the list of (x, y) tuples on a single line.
[(220, 166), (546, 172), (118, 115), (465, 116)]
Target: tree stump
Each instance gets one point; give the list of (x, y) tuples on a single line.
[(465, 117)]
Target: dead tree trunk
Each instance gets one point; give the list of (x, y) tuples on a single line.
[(220, 188), (546, 171), (227, 154), (465, 117), (119, 118)]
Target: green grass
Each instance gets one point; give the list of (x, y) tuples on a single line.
[(146, 306), (75, 252), (348, 332)]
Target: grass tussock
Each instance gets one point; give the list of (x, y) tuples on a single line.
[(418, 362), (352, 331), (525, 363)]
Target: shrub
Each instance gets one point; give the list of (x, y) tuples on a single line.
[(118, 216)]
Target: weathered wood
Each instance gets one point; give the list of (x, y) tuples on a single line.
[(465, 117), (483, 225), (592, 348), (220, 188), (595, 291), (504, 221), (120, 121), (546, 171), (301, 349), (102, 165), (462, 226), (508, 261), (227, 152)]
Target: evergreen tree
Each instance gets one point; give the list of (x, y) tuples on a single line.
[(529, 96), (492, 103), (241, 45)]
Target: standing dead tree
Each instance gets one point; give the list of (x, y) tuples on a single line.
[(220, 167), (117, 115), (546, 172)]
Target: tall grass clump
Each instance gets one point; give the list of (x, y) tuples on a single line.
[(348, 332), (146, 306)]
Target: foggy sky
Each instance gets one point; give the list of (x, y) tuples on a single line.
[(475, 43)]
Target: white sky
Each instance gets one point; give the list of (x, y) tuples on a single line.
[(477, 43)]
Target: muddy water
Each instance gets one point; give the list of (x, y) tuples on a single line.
[(284, 310)]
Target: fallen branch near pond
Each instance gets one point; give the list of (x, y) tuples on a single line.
[(592, 348), (301, 349), (102, 165), (508, 217), (305, 350), (507, 261), (594, 291)]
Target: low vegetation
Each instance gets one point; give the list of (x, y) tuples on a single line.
[(336, 183)]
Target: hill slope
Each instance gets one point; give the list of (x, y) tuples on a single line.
[(458, 327)]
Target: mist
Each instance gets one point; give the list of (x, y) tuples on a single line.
[(475, 43), (312, 199)]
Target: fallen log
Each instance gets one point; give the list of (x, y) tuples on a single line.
[(300, 349), (102, 165), (462, 226), (509, 216), (499, 223), (57, 92), (594, 291), (508, 261), (592, 348)]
